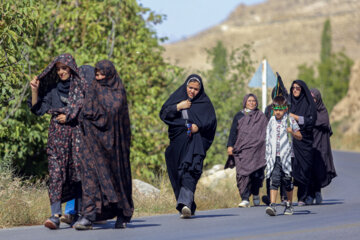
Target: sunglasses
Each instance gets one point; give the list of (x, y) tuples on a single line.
[(297, 88)]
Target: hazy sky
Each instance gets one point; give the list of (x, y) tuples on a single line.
[(187, 17)]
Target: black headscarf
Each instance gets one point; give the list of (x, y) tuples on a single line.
[(201, 111), (303, 106)]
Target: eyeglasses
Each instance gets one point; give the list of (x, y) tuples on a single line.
[(297, 88)]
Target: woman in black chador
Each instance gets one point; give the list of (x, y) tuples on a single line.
[(105, 152), (324, 169), (191, 118), (303, 110), (59, 91)]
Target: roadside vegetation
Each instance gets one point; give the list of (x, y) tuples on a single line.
[(32, 33)]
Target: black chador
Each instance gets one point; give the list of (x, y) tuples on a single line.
[(186, 152), (305, 107)]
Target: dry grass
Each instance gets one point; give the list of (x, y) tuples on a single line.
[(345, 143), (25, 203), (22, 202)]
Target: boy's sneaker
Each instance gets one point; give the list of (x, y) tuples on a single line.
[(318, 198), (244, 204), (271, 210), (185, 212), (52, 222), (289, 210), (256, 200), (266, 199)]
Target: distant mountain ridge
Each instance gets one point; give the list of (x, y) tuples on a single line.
[(286, 32)]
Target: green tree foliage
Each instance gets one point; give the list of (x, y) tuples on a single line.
[(90, 30), (20, 133), (332, 73), (225, 85), (326, 42)]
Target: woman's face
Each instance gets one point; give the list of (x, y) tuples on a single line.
[(192, 89), (99, 75), (62, 71), (250, 103), (296, 90)]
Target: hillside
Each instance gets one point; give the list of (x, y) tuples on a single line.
[(346, 114), (286, 32)]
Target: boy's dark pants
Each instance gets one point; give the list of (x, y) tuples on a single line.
[(279, 178)]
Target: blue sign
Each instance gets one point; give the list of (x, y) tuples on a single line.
[(256, 80)]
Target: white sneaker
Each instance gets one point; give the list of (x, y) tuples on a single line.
[(185, 212), (244, 204), (256, 200)]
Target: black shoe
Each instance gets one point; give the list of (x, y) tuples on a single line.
[(265, 200), (271, 210), (83, 224), (52, 222), (120, 223)]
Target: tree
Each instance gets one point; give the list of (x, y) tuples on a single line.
[(333, 71), (20, 133), (92, 30), (225, 85)]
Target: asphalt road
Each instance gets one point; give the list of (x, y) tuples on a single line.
[(337, 218)]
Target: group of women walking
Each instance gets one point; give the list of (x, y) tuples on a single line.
[(89, 141), (311, 164)]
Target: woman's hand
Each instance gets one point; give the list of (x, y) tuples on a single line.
[(183, 105), (296, 117), (230, 150), (34, 83), (194, 128), (61, 118)]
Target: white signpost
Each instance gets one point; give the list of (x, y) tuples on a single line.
[(265, 78)]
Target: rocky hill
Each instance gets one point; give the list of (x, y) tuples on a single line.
[(286, 32), (347, 112)]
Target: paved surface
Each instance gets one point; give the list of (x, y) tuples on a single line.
[(337, 218)]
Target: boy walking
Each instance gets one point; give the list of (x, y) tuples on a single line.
[(279, 133)]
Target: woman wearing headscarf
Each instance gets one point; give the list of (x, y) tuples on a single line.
[(72, 210), (249, 151), (191, 119), (105, 152), (303, 110), (58, 91), (323, 169)]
